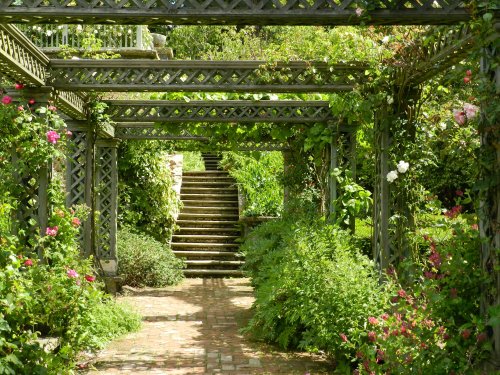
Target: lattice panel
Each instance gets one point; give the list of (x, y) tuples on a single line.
[(235, 76), (72, 104), (220, 111), (193, 12), (106, 202), (20, 60), (153, 132)]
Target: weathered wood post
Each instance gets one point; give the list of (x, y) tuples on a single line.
[(106, 205), (332, 180)]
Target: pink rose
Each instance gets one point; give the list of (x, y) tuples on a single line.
[(90, 278), (343, 337), (6, 99), (52, 108), (52, 136), (72, 274), (31, 101), (19, 86), (459, 116), (28, 262), (470, 110), (52, 231), (68, 133), (76, 222)]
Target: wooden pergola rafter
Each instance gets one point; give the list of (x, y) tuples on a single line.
[(236, 12)]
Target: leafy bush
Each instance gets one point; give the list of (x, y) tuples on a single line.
[(312, 286), (192, 161), (260, 178), (147, 200), (143, 261)]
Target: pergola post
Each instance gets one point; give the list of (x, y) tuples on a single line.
[(332, 180), (106, 204), (287, 164), (352, 166), (80, 176), (381, 198), (489, 204)]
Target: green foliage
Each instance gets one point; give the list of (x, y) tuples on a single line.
[(259, 176), (147, 199), (143, 261), (46, 289), (192, 161), (312, 286)]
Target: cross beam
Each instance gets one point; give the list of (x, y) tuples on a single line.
[(229, 111), (228, 76), (235, 12)]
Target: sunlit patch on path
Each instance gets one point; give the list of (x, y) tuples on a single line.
[(193, 329)]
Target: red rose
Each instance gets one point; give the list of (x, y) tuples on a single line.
[(28, 262), (90, 278)]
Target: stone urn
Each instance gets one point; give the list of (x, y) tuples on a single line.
[(159, 40)]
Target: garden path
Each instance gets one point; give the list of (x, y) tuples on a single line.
[(192, 329)]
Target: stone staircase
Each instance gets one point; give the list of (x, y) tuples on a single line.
[(208, 224)]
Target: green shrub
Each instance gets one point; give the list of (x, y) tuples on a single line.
[(143, 261), (146, 200), (312, 286), (192, 161), (260, 177)]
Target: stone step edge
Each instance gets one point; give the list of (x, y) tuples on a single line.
[(204, 244), (202, 272), (202, 262), (207, 253)]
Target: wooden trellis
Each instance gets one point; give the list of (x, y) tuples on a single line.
[(228, 76), (235, 12)]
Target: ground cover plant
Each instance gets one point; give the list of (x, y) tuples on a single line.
[(47, 290)]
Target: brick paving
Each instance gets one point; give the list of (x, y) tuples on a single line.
[(193, 329)]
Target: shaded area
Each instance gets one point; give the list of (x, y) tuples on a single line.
[(193, 329)]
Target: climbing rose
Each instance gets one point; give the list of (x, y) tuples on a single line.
[(72, 274), (31, 101), (372, 336), (68, 133), (372, 320), (76, 222), (52, 231), (391, 176), (52, 136), (401, 293), (466, 79), (20, 108), (435, 259), (343, 337), (6, 99), (470, 110), (460, 193), (359, 12), (52, 108), (403, 166), (474, 227), (481, 337), (459, 116), (19, 86), (28, 262), (90, 278), (468, 73), (453, 212)]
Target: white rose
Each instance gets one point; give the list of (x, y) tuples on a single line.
[(391, 176), (403, 166), (443, 126)]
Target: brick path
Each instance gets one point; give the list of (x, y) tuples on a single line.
[(193, 329)]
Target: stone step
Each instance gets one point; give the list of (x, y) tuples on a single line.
[(210, 203), (208, 184), (203, 197), (213, 273), (226, 255), (198, 230), (207, 178), (198, 246), (209, 190), (211, 263), (205, 238), (219, 224), (206, 174), (201, 216), (209, 209)]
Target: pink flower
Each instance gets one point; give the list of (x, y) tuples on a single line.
[(453, 212), (31, 101), (401, 293), (429, 275), (460, 193), (6, 99), (466, 80), (68, 133), (359, 12), (52, 136), (28, 262), (468, 73), (19, 86), (76, 222), (435, 259), (459, 116), (20, 108), (474, 227), (52, 108), (343, 337), (384, 316), (52, 231), (372, 320), (470, 110), (481, 337), (72, 274), (90, 278), (372, 336)]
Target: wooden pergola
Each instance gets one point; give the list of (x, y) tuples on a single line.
[(92, 167)]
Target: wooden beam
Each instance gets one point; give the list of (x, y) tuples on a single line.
[(226, 76)]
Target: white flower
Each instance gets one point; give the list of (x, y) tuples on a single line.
[(79, 28), (403, 166), (386, 39), (48, 32), (443, 125), (390, 99), (391, 176)]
